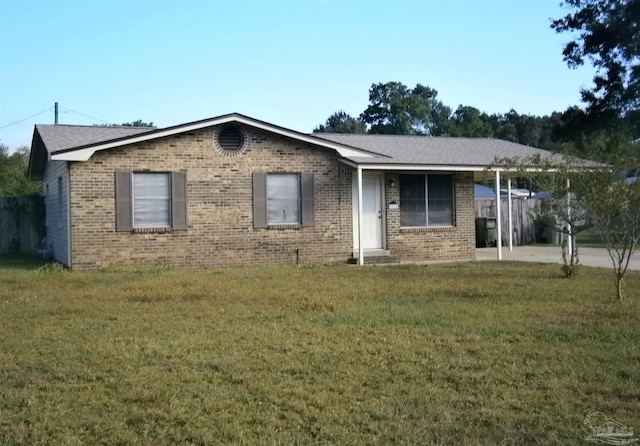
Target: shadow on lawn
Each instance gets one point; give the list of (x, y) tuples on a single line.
[(21, 261)]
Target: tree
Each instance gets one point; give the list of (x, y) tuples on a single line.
[(440, 115), (586, 195), (608, 33), (395, 109), (588, 136), (563, 209), (14, 180), (136, 123), (469, 121), (503, 126), (614, 207), (547, 124), (341, 122), (529, 130)]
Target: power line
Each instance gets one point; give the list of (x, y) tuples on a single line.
[(66, 110), (24, 119), (48, 109)]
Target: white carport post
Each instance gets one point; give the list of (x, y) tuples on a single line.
[(510, 206), (498, 217), (360, 223)]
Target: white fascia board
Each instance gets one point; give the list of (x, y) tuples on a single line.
[(342, 151), (422, 167), (76, 155), (445, 168), (526, 169), (413, 167), (85, 154)]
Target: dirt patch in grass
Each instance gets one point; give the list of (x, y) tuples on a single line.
[(473, 353)]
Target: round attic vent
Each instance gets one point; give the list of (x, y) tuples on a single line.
[(230, 139)]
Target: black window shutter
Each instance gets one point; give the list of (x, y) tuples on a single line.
[(123, 202), (179, 201), (306, 192), (259, 200)]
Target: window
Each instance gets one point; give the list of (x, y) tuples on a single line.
[(151, 200), (426, 200), (148, 200), (282, 199)]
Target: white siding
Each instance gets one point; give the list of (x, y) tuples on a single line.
[(56, 184)]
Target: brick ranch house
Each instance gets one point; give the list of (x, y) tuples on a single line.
[(233, 190)]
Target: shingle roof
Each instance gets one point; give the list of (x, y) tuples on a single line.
[(432, 151), (78, 143), (61, 137)]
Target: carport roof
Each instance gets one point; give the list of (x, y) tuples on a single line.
[(403, 151)]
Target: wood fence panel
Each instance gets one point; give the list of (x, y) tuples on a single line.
[(21, 224), (523, 210)]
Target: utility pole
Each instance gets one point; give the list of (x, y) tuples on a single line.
[(55, 113)]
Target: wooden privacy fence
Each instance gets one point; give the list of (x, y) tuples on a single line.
[(21, 224), (523, 213)]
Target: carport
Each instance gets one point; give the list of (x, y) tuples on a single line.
[(509, 195)]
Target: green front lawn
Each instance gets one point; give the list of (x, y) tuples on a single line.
[(468, 353)]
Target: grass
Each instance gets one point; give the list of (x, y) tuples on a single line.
[(470, 353)]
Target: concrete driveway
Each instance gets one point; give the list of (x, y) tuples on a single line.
[(598, 257)]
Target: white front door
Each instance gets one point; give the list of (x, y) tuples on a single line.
[(371, 212)]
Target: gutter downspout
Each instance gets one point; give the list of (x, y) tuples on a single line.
[(360, 222)]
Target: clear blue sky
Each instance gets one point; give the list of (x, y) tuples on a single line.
[(292, 63)]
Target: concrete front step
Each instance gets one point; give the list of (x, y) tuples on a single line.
[(372, 256)]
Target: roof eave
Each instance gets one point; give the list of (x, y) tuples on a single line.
[(417, 166), (477, 169)]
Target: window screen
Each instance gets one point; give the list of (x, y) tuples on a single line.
[(151, 200), (426, 200), (283, 199), (440, 190), (413, 206)]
